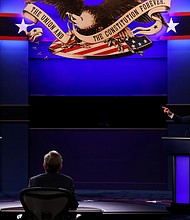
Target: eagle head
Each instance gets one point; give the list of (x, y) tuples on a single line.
[(85, 21)]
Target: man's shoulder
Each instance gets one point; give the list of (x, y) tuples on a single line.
[(66, 176), (51, 176), (37, 176)]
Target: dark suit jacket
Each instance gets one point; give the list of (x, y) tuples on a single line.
[(57, 181), (181, 119)]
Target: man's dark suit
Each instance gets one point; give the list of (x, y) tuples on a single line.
[(55, 180), (181, 119)]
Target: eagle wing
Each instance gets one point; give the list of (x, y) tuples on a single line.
[(64, 6), (106, 13), (117, 8)]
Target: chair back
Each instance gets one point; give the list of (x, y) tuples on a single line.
[(42, 203)]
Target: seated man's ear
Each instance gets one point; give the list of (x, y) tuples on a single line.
[(44, 166), (61, 166)]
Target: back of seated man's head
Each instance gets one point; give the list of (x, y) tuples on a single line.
[(53, 162)]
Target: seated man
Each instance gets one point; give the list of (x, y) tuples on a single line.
[(52, 177)]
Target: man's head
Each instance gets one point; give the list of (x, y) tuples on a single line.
[(53, 162)]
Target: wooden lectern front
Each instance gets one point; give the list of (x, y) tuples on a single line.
[(179, 149)]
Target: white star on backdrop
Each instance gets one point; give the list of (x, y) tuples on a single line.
[(23, 26), (172, 26)]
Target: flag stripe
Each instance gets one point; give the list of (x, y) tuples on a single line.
[(12, 38), (112, 51), (179, 14), (98, 49), (11, 15), (175, 37), (94, 50)]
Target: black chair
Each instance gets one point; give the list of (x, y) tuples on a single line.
[(42, 203)]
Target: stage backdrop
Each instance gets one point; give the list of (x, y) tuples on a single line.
[(32, 75)]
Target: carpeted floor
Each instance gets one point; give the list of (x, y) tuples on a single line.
[(150, 198), (121, 195), (126, 195)]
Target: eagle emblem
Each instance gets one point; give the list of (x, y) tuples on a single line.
[(89, 21)]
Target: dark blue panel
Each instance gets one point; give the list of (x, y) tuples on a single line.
[(14, 156), (11, 6), (121, 77), (180, 5), (14, 72), (178, 71), (182, 179), (117, 159)]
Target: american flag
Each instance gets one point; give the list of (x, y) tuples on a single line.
[(102, 49)]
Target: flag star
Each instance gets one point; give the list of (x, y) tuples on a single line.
[(171, 26), (22, 26)]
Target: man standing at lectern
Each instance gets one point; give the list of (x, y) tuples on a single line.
[(176, 118)]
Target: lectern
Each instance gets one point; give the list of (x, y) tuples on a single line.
[(179, 149)]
